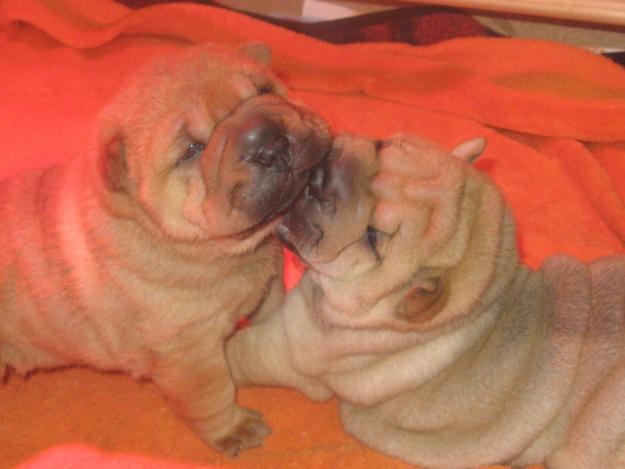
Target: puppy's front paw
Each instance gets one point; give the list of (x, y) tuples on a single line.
[(249, 432)]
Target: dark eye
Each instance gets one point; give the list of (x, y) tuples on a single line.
[(193, 150), (372, 239), (274, 152), (265, 89)]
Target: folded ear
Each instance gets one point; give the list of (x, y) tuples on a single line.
[(257, 51), (424, 301), (113, 166), (470, 150)]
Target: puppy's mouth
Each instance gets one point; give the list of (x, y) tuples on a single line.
[(314, 189), (302, 179), (291, 187), (300, 229)]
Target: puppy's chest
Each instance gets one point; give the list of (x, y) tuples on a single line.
[(244, 285), (220, 291)]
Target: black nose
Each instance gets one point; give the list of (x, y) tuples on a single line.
[(274, 152)]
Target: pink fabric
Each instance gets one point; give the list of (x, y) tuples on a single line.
[(82, 457)]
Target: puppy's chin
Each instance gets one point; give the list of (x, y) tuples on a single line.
[(248, 239), (237, 245)]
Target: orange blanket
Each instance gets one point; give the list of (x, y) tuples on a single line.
[(554, 117)]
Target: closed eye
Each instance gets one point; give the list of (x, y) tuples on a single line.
[(193, 151), (372, 240)]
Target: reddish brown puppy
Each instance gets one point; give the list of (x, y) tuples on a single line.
[(142, 255)]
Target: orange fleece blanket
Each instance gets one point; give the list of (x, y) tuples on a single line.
[(554, 117)]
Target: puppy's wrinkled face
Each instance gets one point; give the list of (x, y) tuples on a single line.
[(206, 147), (387, 230), (266, 150)]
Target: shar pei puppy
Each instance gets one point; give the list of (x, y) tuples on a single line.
[(141, 255), (442, 348)]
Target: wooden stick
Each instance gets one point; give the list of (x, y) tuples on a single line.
[(598, 11)]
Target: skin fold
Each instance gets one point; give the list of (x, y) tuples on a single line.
[(415, 312), (142, 254)]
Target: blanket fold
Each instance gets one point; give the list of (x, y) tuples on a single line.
[(554, 117), (527, 86)]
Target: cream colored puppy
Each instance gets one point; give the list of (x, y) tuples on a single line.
[(443, 350), (142, 255)]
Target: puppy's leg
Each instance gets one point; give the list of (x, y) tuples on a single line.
[(260, 355), (196, 379)]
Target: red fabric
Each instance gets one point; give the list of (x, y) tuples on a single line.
[(554, 117)]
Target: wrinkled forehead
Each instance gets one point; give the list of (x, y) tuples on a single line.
[(226, 71), (413, 158), (207, 80), (412, 173)]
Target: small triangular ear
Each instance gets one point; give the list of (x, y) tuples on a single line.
[(257, 51), (113, 166), (470, 150)]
